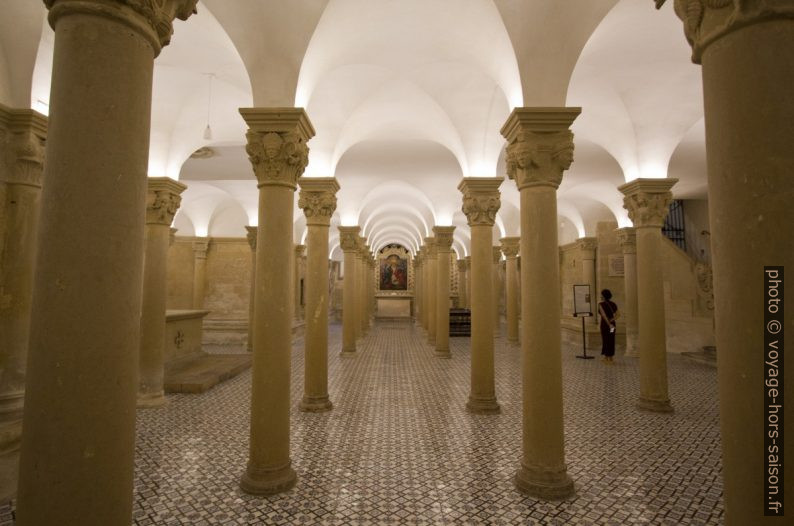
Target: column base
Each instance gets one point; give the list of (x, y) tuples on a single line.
[(512, 340), (349, 353), (316, 404), (267, 481), (656, 406), (443, 353), (543, 484), (483, 406), (11, 407), (431, 340), (151, 401)]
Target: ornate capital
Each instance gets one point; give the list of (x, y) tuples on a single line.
[(627, 237), (539, 145), (462, 265), (588, 246), (647, 201), (300, 251), (172, 235), (348, 238), (497, 254), (430, 248), (706, 21), (443, 237), (510, 246), (277, 144), (251, 232), (162, 200), (200, 247), (152, 18), (481, 199), (22, 137), (318, 199)]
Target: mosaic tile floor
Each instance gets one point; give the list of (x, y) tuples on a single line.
[(400, 448)]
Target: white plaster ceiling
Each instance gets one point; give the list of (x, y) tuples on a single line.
[(407, 97)]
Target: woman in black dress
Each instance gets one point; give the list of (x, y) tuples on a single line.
[(609, 313)]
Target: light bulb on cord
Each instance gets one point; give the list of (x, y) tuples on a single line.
[(208, 130)]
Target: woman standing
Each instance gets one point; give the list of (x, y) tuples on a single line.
[(609, 313)]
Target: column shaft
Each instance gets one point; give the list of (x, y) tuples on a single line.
[(443, 248), (628, 241), (482, 397), (200, 247), (348, 238), (251, 234)]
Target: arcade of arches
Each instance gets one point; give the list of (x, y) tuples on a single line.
[(383, 208)]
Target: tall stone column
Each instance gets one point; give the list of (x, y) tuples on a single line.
[(587, 248), (251, 235), (417, 302), (200, 248), (297, 274), (468, 282), (318, 201), (749, 125), (432, 285), (510, 247), (361, 300), (82, 372), (348, 239), (162, 202), (462, 292), (278, 152), (23, 134), (371, 288), (425, 287), (496, 252), (540, 149), (443, 250), (481, 202), (627, 238), (647, 201)]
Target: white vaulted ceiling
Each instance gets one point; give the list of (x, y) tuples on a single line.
[(407, 97)]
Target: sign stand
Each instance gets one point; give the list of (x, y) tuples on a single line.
[(582, 308)]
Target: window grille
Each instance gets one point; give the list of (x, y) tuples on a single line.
[(673, 227)]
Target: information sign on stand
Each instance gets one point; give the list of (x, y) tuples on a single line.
[(582, 308)]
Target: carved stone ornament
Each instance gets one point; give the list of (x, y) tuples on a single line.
[(157, 15), (705, 280), (317, 206), (706, 21), (443, 236), (278, 158), (348, 238), (539, 159), (588, 245), (496, 252), (22, 139), (462, 266), (200, 249), (648, 200), (510, 246), (481, 209), (161, 206), (251, 233), (627, 238), (300, 250), (430, 248)]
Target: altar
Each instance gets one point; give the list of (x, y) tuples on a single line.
[(391, 305)]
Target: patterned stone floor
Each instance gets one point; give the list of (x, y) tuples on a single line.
[(400, 448)]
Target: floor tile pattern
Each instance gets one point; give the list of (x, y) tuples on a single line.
[(400, 448)]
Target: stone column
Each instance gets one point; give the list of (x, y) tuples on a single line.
[(647, 201), (162, 202), (468, 282), (443, 250), (749, 125), (462, 292), (496, 252), (76, 464), (540, 148), (277, 149), (481, 201), (21, 163), (300, 251), (361, 300), (318, 201), (510, 247), (371, 288), (200, 247), (628, 242), (587, 248), (348, 239), (251, 235), (425, 287), (432, 285), (418, 264)]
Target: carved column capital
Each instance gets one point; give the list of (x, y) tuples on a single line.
[(443, 238), (251, 232), (22, 137), (481, 199), (510, 246), (627, 238), (706, 21), (162, 200), (276, 144), (461, 265), (348, 238), (318, 199), (588, 246), (172, 235), (430, 247), (200, 248), (300, 250), (151, 18), (539, 145), (647, 201), (497, 254)]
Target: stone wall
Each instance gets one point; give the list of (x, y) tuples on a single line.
[(180, 274), (228, 279)]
